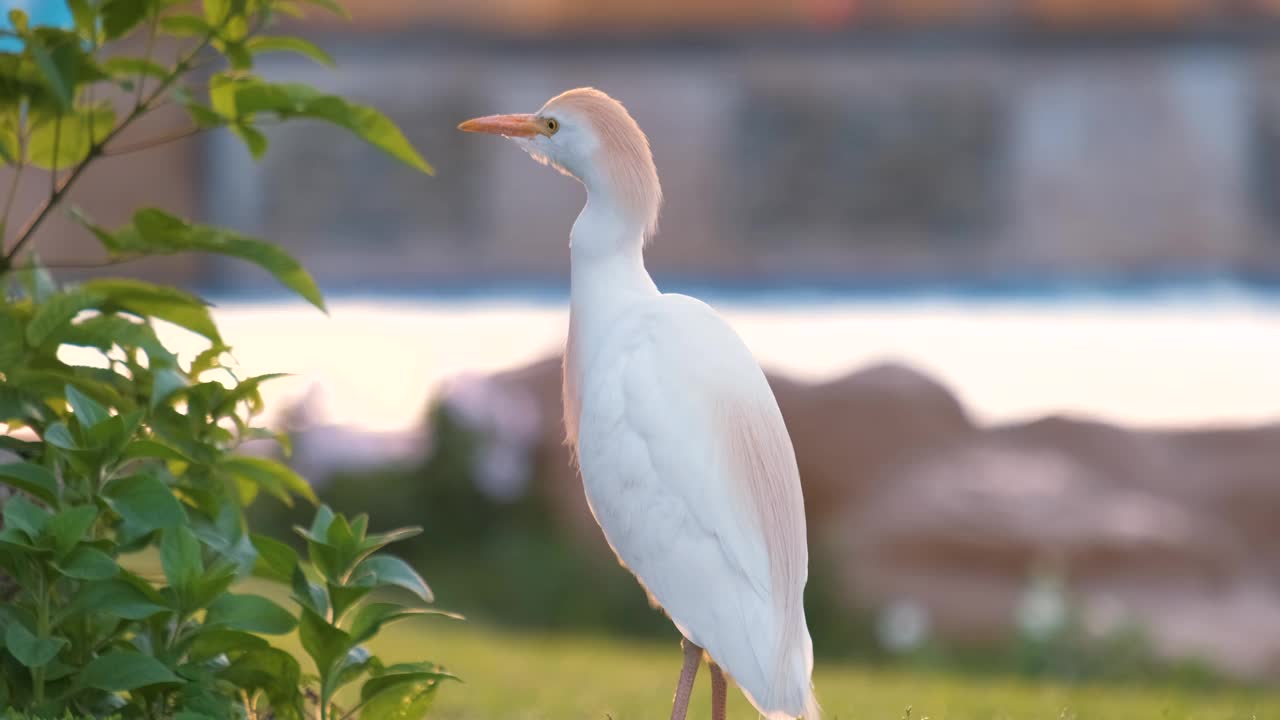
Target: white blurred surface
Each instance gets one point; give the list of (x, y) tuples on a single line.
[(376, 363)]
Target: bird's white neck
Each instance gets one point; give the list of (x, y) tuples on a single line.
[(607, 270)]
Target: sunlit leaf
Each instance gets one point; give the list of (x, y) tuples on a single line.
[(70, 135), (158, 301), (58, 310), (284, 43), (132, 67), (272, 476), (157, 232)]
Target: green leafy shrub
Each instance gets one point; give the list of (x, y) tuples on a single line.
[(131, 458)]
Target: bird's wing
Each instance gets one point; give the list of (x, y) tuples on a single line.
[(692, 476)]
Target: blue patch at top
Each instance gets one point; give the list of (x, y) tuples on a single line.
[(41, 12)]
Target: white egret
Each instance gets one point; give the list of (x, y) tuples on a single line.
[(685, 459)]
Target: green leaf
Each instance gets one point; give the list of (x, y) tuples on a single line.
[(273, 671), (244, 97), (165, 382), (322, 641), (238, 56), (372, 126), (370, 618), (117, 598), (251, 613), (57, 63), (70, 135), (382, 570), (212, 642), (19, 20), (84, 16), (204, 117), (342, 597), (131, 67), (120, 16), (106, 331), (186, 26), (273, 476), (212, 583), (124, 671), (282, 43), (253, 139), (22, 514), (154, 449), (180, 557), (353, 664), (26, 648), (276, 560), (158, 301), (87, 410), (88, 563), (399, 697), (307, 593), (402, 672), (35, 479), (11, 336), (222, 95), (70, 526), (58, 310), (144, 501), (157, 232), (59, 436)]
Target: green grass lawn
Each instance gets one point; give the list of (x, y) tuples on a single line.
[(515, 676)]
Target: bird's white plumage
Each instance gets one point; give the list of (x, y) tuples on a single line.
[(676, 422)]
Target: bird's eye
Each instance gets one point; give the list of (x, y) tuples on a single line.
[(552, 125)]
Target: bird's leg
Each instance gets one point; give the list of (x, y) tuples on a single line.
[(718, 691), (692, 657)]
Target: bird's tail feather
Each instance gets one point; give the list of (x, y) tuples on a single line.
[(790, 692)]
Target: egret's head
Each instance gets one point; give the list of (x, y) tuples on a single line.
[(590, 136)]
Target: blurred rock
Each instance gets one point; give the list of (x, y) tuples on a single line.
[(913, 505)]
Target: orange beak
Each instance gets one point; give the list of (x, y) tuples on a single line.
[(508, 125)]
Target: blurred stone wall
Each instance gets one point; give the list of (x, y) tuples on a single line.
[(851, 162)]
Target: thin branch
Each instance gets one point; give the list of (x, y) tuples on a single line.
[(57, 137), (153, 142), (28, 230)]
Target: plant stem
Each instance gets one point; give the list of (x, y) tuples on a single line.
[(154, 142), (42, 632), (57, 136)]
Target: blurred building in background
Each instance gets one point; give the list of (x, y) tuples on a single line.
[(855, 142)]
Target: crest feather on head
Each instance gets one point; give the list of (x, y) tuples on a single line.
[(625, 157)]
